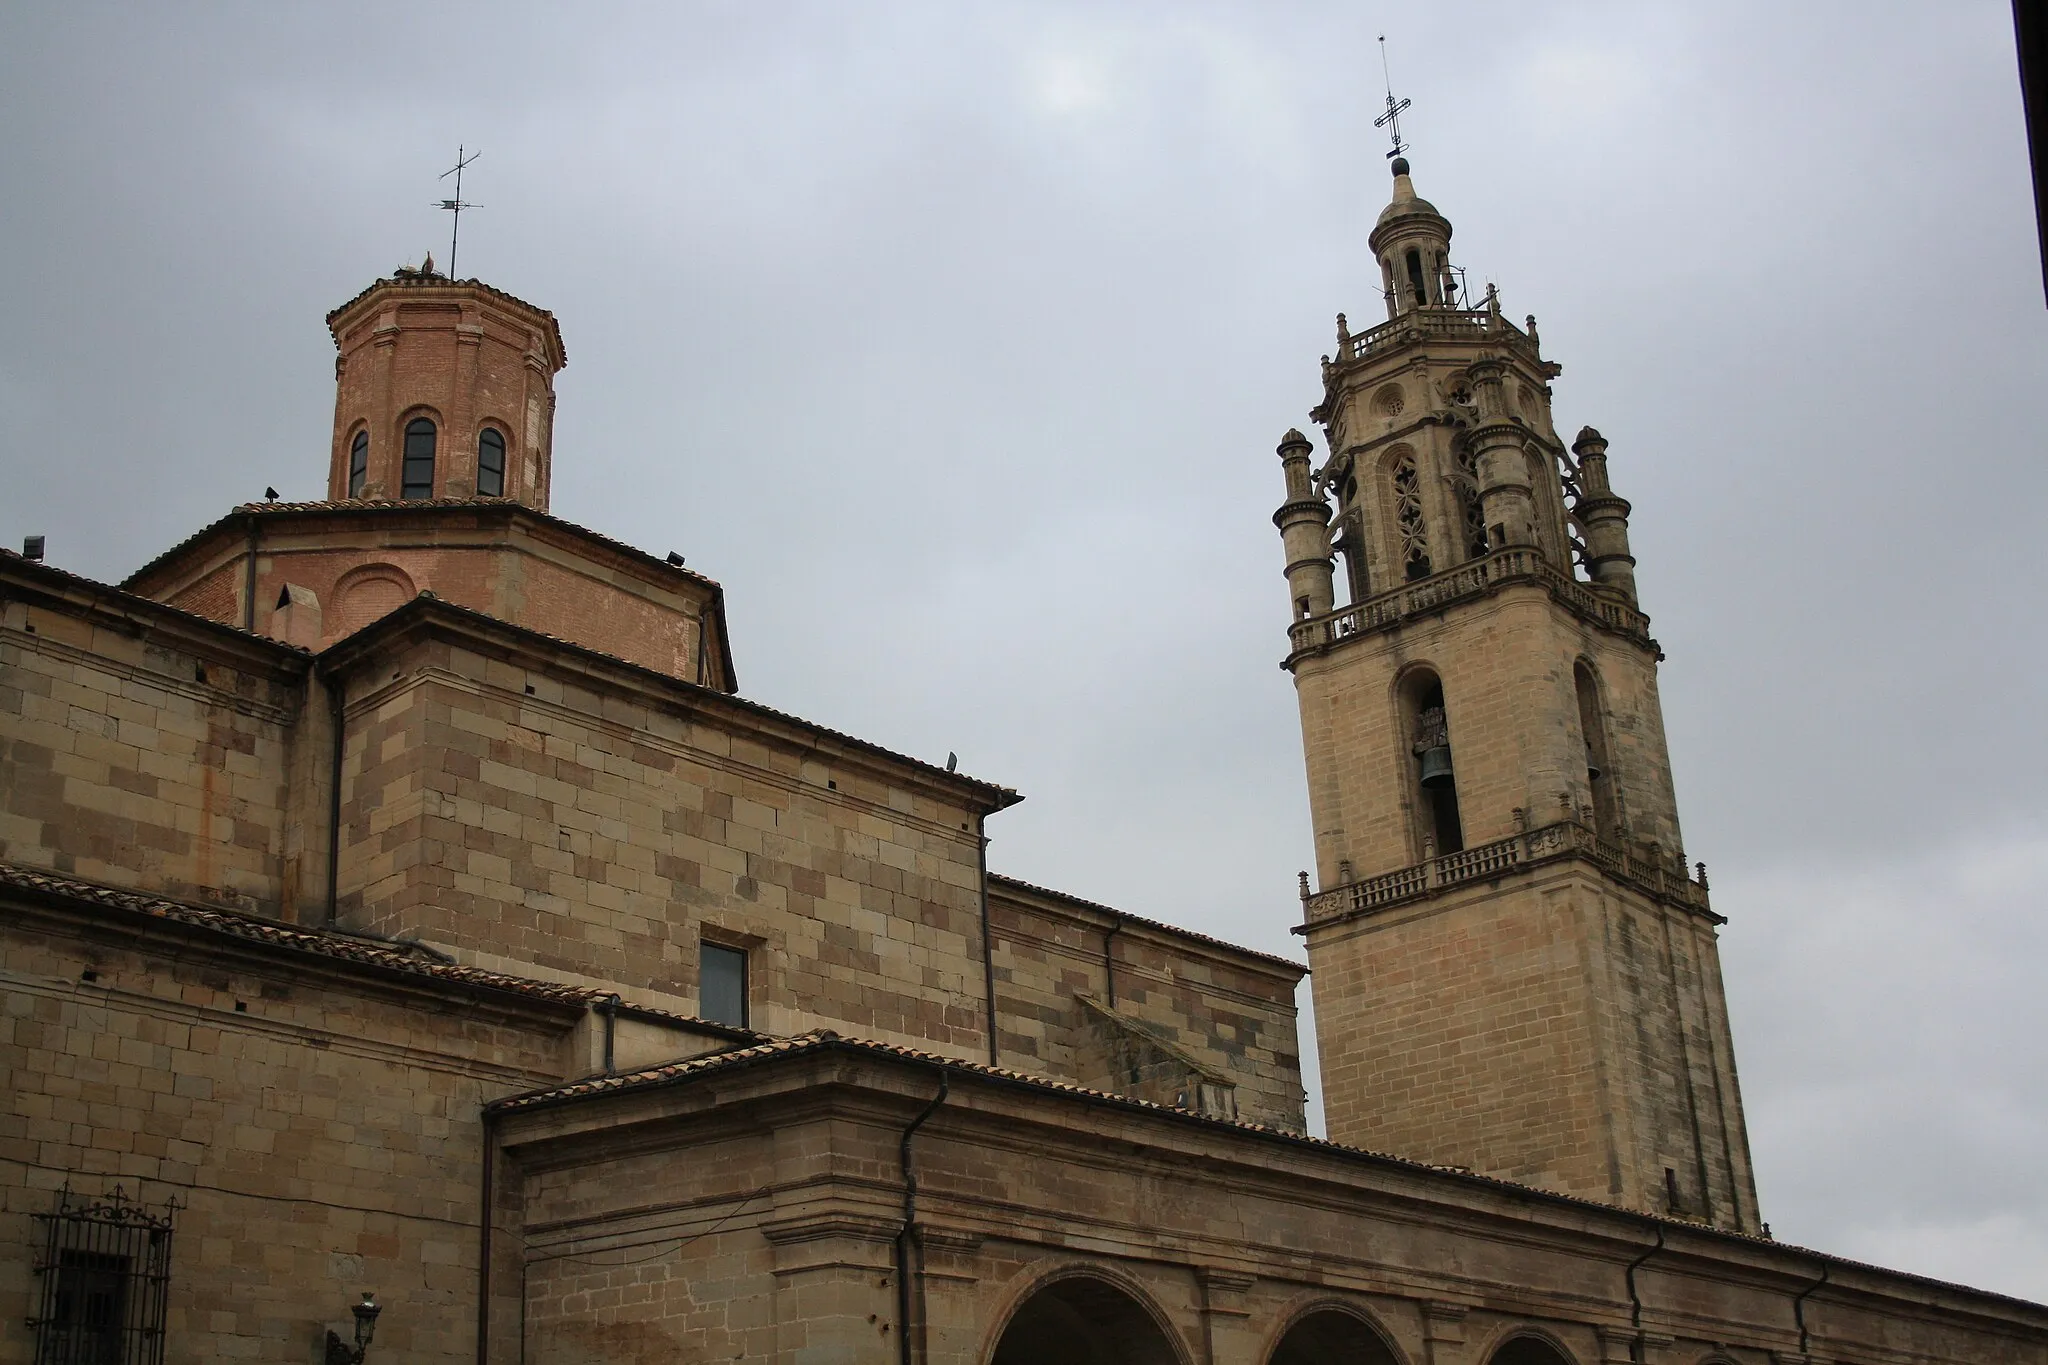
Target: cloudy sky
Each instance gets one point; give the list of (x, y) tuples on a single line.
[(955, 340)]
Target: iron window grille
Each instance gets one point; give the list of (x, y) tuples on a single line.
[(105, 1270)]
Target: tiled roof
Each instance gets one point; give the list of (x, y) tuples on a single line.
[(394, 957), (1006, 796), (823, 1040), (394, 505), (443, 282), (1161, 926), (137, 601)]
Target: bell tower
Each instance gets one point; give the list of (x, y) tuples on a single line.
[(1514, 969)]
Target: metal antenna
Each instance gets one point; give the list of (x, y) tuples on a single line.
[(456, 205), (1391, 120)]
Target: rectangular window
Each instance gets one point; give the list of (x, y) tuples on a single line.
[(722, 985), (105, 1270)]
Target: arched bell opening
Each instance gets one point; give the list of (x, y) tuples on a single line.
[(1081, 1320), (1332, 1337), (1528, 1350), (1434, 773), (1599, 766)]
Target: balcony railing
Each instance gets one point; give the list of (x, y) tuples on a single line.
[(1666, 880), (1474, 578), (1463, 324)]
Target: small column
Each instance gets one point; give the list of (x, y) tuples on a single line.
[(1506, 501), (1304, 522), (1604, 518)]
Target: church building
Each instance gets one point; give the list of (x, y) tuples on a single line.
[(418, 948)]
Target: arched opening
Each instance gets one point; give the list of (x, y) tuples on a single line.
[(1474, 520), (1599, 770), (1417, 282), (358, 463), (490, 463), (416, 480), (1433, 772), (1332, 1337), (1528, 1351), (1081, 1320)]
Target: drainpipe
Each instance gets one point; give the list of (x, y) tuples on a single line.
[(1109, 961), (988, 952), (609, 1008), (334, 698), (249, 581), (1799, 1307), (1635, 1301), (909, 1232), (483, 1240)]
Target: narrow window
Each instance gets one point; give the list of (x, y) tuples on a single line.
[(1468, 502), (722, 985), (1408, 514), (490, 463), (358, 463), (1599, 775), (418, 479), (1415, 278)]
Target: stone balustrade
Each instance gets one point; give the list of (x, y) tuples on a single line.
[(1666, 880), (1474, 578)]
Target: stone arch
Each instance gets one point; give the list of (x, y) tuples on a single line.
[(1085, 1314), (1333, 1332), (1420, 701), (366, 593), (1529, 1346)]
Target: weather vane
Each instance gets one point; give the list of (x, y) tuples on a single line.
[(456, 205), (1391, 120)]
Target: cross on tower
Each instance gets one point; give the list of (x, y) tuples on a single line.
[(1391, 120), (456, 205)]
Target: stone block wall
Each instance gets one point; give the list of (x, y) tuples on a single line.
[(322, 1136), (144, 754), (600, 829)]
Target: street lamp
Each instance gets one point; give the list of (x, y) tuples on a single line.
[(338, 1351)]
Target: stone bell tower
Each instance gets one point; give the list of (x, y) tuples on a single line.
[(1514, 970)]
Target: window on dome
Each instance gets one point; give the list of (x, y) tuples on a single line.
[(358, 463), (418, 480), (490, 463)]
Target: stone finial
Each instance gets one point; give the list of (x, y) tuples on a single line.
[(1587, 437), (1293, 440)]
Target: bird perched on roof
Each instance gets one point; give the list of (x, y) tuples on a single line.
[(952, 761)]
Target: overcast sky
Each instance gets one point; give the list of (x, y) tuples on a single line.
[(956, 339)]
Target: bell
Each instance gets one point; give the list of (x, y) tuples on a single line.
[(1436, 767), (1592, 768)]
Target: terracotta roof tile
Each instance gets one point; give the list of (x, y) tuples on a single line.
[(825, 1039), (342, 947), (138, 601), (996, 878)]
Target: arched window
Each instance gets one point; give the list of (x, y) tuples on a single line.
[(1408, 515), (490, 463), (1599, 772), (1415, 278), (1429, 733), (358, 463), (418, 479)]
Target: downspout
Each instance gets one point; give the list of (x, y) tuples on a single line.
[(609, 1008), (1799, 1307), (483, 1240), (249, 581), (1635, 1300), (903, 1238), (703, 642), (988, 952), (335, 699), (1109, 960)]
